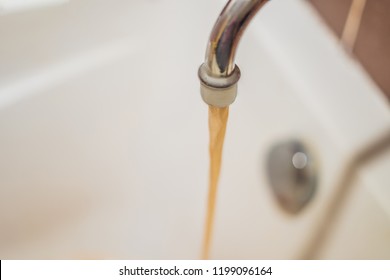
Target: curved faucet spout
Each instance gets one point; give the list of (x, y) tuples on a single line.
[(219, 74), (226, 35)]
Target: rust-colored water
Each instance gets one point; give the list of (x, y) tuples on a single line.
[(217, 126)]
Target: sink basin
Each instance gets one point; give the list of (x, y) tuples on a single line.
[(103, 134)]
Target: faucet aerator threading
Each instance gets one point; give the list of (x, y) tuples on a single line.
[(219, 74), (218, 91)]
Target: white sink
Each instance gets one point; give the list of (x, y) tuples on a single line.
[(103, 134)]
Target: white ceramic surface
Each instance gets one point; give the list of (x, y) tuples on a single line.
[(103, 134)]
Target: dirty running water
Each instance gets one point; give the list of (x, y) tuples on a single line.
[(217, 127)]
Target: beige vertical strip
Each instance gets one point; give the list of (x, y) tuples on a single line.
[(352, 24), (217, 125)]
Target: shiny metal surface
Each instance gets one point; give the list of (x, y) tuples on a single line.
[(292, 174), (218, 91), (219, 71), (226, 35)]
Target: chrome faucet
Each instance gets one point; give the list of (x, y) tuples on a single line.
[(218, 74)]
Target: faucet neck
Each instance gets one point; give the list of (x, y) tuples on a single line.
[(218, 74), (226, 35)]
